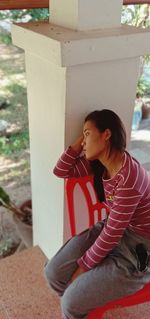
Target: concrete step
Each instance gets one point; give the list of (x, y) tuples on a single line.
[(24, 293)]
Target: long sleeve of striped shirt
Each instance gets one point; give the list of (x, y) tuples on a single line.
[(118, 220), (71, 164)]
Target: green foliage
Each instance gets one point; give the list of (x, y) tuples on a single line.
[(5, 246), (142, 86), (4, 197), (15, 144), (5, 37), (147, 59), (24, 15), (136, 15), (38, 14), (17, 91)]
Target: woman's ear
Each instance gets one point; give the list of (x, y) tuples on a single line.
[(107, 134)]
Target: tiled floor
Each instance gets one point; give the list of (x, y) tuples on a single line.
[(24, 293)]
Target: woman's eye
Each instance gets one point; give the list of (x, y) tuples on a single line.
[(86, 134)]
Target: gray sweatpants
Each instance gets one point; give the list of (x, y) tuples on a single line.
[(116, 276)]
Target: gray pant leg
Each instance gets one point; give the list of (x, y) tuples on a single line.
[(98, 286), (59, 270), (115, 277)]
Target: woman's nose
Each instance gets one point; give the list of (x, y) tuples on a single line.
[(83, 142)]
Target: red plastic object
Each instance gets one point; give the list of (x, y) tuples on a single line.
[(142, 295), (92, 207)]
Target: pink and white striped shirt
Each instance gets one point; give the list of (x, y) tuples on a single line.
[(128, 196)]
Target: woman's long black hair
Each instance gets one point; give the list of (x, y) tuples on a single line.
[(106, 119)]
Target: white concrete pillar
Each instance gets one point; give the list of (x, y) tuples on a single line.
[(86, 14), (70, 73)]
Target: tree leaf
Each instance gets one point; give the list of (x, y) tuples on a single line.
[(4, 196)]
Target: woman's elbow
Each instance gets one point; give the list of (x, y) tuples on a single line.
[(57, 172)]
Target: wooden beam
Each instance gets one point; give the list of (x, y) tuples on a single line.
[(126, 2), (23, 4), (35, 4)]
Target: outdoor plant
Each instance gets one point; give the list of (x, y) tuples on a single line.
[(139, 16), (15, 144), (23, 213), (6, 246), (141, 86)]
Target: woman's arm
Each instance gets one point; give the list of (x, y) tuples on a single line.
[(71, 163), (77, 145), (125, 203)]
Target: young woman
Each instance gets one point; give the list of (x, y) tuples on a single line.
[(110, 259)]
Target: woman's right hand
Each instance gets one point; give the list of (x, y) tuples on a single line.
[(77, 145)]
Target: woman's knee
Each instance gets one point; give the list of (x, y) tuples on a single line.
[(50, 271), (53, 276), (67, 304), (71, 304)]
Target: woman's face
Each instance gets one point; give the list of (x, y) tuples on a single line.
[(95, 143)]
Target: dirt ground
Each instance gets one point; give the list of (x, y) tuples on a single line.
[(14, 169)]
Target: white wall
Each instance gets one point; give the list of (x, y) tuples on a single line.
[(46, 98), (93, 86), (86, 14), (59, 100)]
